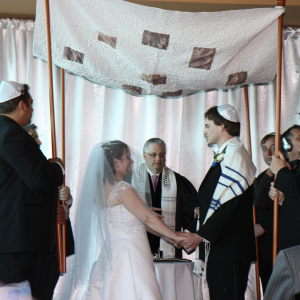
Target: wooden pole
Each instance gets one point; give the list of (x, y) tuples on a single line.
[(247, 119), (63, 114), (258, 295), (277, 131), (52, 119), (64, 232)]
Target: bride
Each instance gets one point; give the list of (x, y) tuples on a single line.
[(113, 258)]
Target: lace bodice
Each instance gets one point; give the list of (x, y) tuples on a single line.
[(116, 193), (119, 218)]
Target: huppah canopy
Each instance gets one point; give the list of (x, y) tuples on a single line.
[(150, 51)]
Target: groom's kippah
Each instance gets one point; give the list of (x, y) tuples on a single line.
[(228, 112), (10, 90)]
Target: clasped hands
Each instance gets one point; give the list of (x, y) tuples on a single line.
[(189, 241), (185, 239)]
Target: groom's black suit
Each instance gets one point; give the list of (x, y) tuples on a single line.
[(231, 234), (28, 204)]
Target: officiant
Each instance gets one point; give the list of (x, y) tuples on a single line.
[(173, 196)]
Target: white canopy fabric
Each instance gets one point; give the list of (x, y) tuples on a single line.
[(150, 51)]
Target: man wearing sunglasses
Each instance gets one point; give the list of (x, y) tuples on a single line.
[(174, 198)]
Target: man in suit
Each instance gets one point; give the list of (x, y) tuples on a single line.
[(173, 196), (225, 232), (285, 280), (264, 212), (50, 273), (287, 188), (28, 192)]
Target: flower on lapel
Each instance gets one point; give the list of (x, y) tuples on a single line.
[(218, 157)]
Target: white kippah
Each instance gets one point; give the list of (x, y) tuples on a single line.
[(228, 112), (10, 90)]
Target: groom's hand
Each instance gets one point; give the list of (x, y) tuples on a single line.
[(192, 240)]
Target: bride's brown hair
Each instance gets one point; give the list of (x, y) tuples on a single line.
[(114, 149)]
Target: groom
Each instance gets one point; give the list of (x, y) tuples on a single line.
[(226, 234)]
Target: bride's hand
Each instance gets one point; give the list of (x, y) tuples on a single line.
[(173, 243), (180, 239)]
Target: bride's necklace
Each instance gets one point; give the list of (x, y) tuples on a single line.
[(119, 178)]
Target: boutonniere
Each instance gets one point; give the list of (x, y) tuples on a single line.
[(218, 157)]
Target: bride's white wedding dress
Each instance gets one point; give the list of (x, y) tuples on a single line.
[(131, 275)]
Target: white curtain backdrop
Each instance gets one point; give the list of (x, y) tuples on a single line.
[(95, 113)]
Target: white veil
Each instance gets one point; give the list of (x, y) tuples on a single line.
[(91, 232)]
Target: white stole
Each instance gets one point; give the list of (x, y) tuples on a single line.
[(168, 207)]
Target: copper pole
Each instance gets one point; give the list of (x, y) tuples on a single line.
[(52, 119), (277, 131), (247, 119), (64, 232), (258, 295)]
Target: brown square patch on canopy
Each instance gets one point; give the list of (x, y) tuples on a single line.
[(71, 54), (171, 94), (135, 90), (156, 40), (202, 58), (154, 78), (110, 40), (236, 78)]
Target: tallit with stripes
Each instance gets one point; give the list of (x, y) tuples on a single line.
[(237, 175)]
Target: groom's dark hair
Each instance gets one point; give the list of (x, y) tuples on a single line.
[(233, 128)]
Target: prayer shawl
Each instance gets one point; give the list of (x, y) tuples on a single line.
[(237, 175), (168, 202)]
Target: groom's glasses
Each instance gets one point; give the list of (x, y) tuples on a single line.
[(154, 155)]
